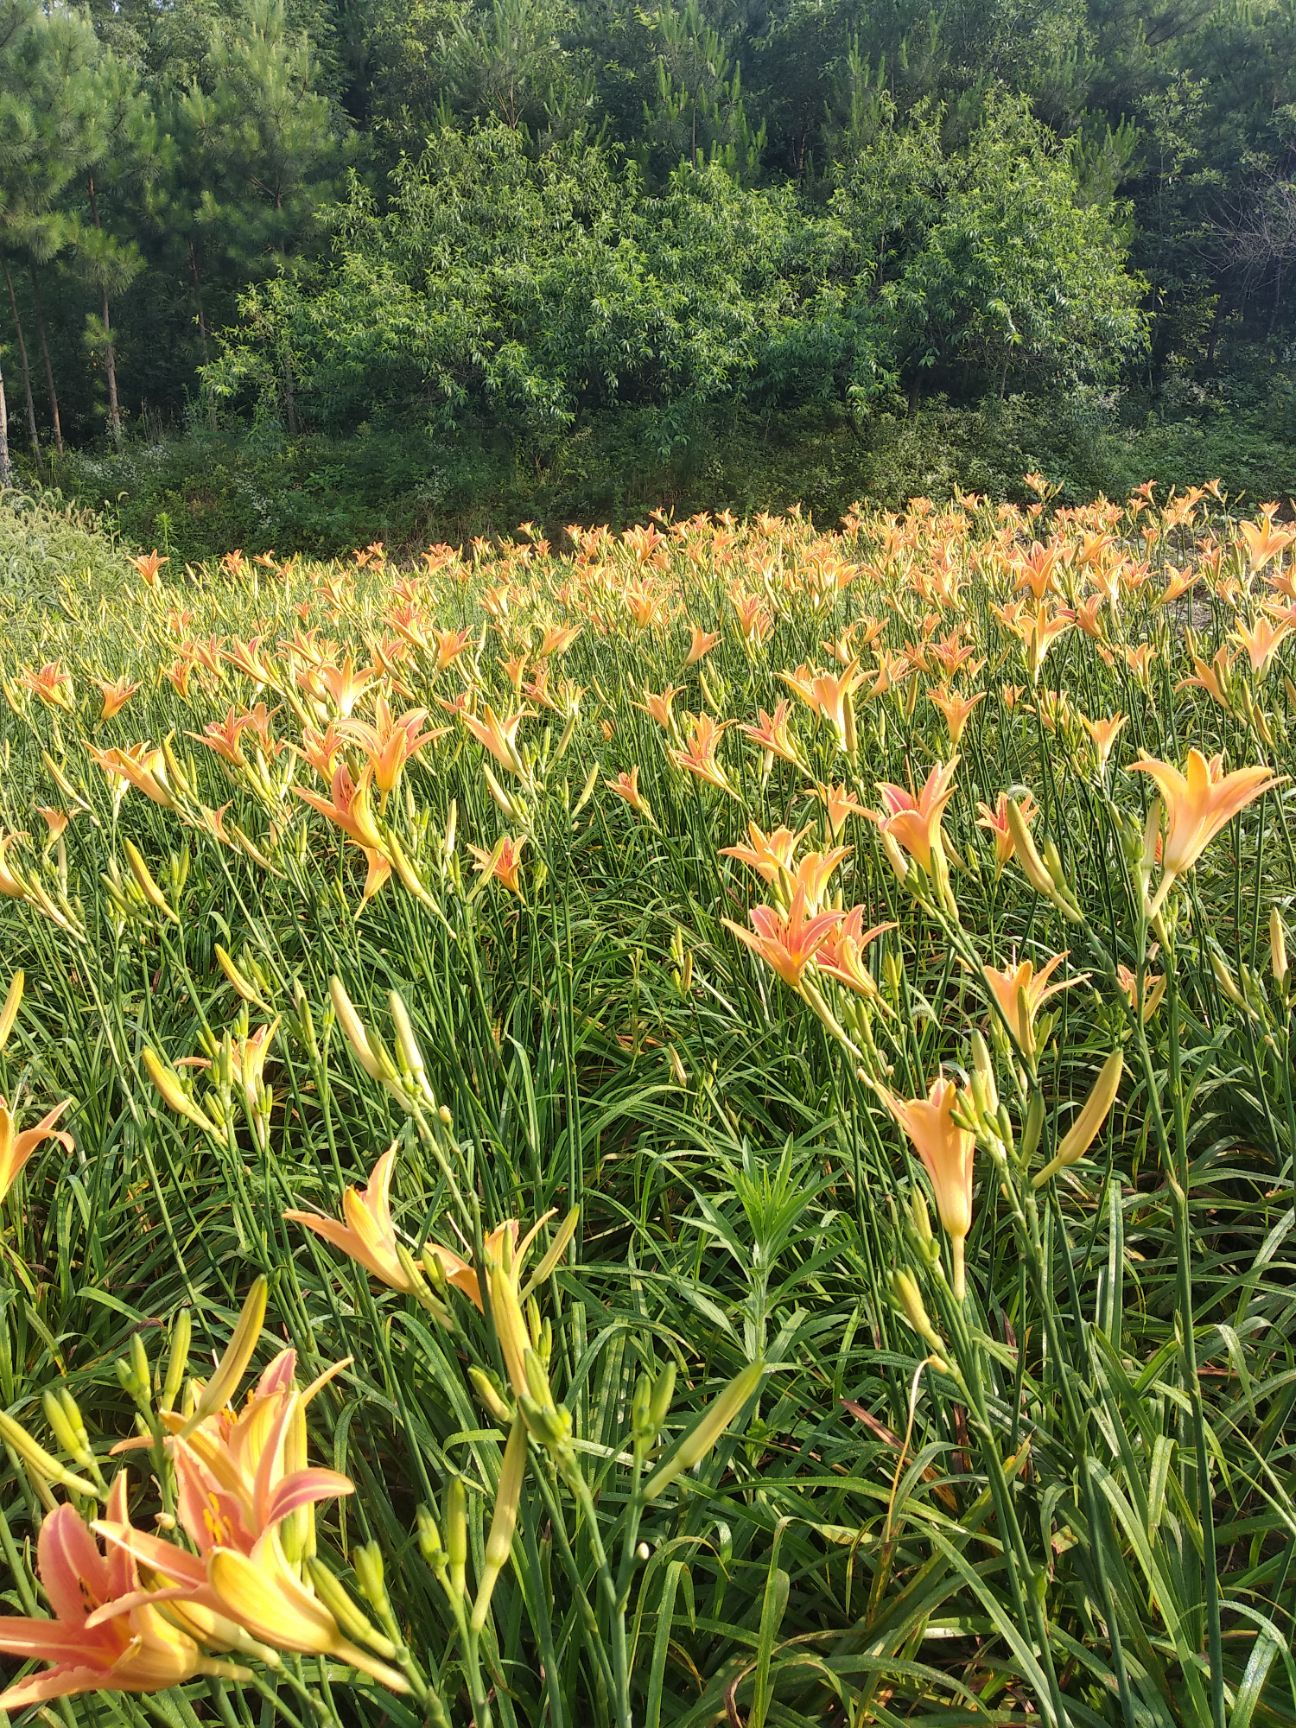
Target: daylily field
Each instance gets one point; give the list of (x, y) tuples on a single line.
[(691, 1126)]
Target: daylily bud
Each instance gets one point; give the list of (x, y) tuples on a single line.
[(350, 1620), (233, 1364), (587, 791), (353, 1027), (499, 1541), (38, 1460), (1033, 1126), (1277, 958), (1024, 850), (537, 1380), (904, 1287), (706, 1429), (921, 1215), (550, 1425), (640, 1412), (488, 1394), (407, 1044), (1085, 1129), (663, 1392), (1224, 978), (456, 1534), (147, 886), (241, 985), (64, 1417), (985, 1091), (430, 1544), (368, 1563), (305, 1019), (173, 1093), (9, 1012), (178, 1361)]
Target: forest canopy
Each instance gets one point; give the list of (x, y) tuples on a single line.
[(496, 227)]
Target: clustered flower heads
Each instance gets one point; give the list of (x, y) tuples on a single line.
[(137, 1612)]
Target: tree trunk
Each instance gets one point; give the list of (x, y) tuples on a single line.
[(56, 421), (110, 352), (6, 470), (196, 279), (110, 373), (24, 368)]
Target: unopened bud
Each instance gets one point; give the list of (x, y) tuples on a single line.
[(499, 1541), (67, 1426), (178, 1361), (489, 1396), (1277, 957), (356, 1625), (707, 1428), (1224, 978), (353, 1027), (904, 1287), (456, 1534), (1087, 1125), (9, 1011), (144, 879), (38, 1460)]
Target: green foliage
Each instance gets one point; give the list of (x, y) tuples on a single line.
[(994, 271), (325, 495), (495, 222), (498, 290)]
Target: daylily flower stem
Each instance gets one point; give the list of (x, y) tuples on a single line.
[(1180, 1173), (1027, 1604), (575, 1479)]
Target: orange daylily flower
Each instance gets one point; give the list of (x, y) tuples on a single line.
[(148, 565), (774, 735), (1262, 540), (52, 684), (1215, 679), (956, 707), (503, 863), (1198, 803), (839, 802), (348, 806), (16, 1148), (911, 820), (1021, 992), (996, 821), (946, 1152), (1154, 988), (701, 642), (769, 855), (658, 706), (842, 955), (1104, 734), (389, 741), (450, 644), (1262, 640), (116, 693), (104, 1635), (366, 1232), (138, 766), (627, 786), (698, 755), (498, 736), (787, 941)]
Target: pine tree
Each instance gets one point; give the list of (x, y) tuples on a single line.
[(48, 130)]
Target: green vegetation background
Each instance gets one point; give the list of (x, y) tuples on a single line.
[(299, 273)]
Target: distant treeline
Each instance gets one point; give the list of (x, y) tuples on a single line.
[(499, 228)]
